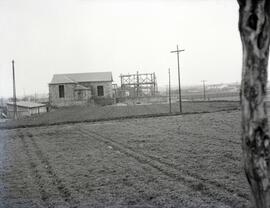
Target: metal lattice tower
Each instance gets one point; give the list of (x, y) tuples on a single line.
[(139, 84)]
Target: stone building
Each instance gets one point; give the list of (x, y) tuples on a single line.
[(81, 88)]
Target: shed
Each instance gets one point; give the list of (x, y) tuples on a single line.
[(25, 108)]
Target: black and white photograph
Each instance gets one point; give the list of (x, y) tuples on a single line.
[(134, 104)]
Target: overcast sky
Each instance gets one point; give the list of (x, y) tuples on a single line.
[(45, 37)]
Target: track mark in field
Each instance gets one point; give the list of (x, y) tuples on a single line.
[(191, 180), (44, 195), (186, 172), (39, 180), (64, 192)]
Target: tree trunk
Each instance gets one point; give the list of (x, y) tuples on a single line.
[(254, 27)]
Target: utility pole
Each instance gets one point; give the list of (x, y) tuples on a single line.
[(204, 95), (137, 78), (179, 84), (14, 92), (154, 80), (170, 99)]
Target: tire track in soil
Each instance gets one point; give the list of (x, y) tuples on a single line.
[(191, 173), (63, 191), (184, 132), (44, 195), (183, 150), (145, 205), (141, 179), (192, 180)]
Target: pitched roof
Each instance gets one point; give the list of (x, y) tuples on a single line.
[(27, 104), (82, 77)]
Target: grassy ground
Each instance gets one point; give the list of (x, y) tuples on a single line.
[(181, 161), (85, 113)]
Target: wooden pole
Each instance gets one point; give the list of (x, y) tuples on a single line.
[(14, 92), (179, 82), (137, 78), (170, 99), (254, 27), (154, 81), (204, 95)]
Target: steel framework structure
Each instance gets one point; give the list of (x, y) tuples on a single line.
[(139, 84)]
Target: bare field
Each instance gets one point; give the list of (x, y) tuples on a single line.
[(89, 113), (181, 161)]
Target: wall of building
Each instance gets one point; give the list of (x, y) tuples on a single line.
[(107, 86), (54, 98), (82, 95), (71, 96), (107, 99)]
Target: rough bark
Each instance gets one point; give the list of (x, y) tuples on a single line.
[(254, 30)]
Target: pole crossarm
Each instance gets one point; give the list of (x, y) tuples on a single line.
[(177, 51)]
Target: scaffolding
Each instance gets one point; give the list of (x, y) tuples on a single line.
[(139, 85)]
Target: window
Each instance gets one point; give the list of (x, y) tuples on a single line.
[(100, 91), (61, 91)]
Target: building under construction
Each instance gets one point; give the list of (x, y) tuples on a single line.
[(138, 85)]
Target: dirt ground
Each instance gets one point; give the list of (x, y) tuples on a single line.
[(179, 161)]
